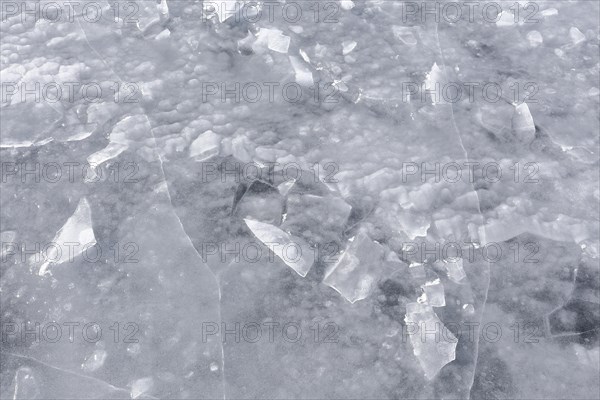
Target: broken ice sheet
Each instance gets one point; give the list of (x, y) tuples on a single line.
[(26, 124), (76, 232), (293, 251), (131, 130), (433, 344), (357, 269)]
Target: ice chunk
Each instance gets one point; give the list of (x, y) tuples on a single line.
[(292, 250), (505, 19), (549, 12), (404, 34), (432, 350), (535, 38), (523, 126), (205, 146), (109, 152), (433, 294), (285, 187), (576, 35), (417, 271), (95, 361), (7, 239), (165, 34), (455, 270), (147, 14), (346, 5), (348, 46), (141, 387), (78, 229), (412, 223), (433, 80), (273, 39), (132, 129), (356, 271), (163, 7), (304, 75)]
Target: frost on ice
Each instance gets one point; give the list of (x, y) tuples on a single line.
[(432, 350), (355, 273), (77, 233), (292, 250)]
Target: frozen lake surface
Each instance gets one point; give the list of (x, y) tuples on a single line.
[(342, 199)]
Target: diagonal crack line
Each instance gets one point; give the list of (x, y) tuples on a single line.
[(66, 371), (144, 111), (466, 153)]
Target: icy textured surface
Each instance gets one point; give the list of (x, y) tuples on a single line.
[(345, 173)]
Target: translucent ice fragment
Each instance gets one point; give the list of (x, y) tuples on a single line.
[(77, 233), (404, 34), (535, 38), (303, 74), (505, 19), (163, 7), (455, 270), (346, 4), (417, 270), (549, 12), (205, 146), (433, 80), (356, 271), (109, 152), (141, 387), (25, 124), (132, 129), (576, 35), (433, 344), (95, 361), (413, 224), (348, 46), (285, 187), (523, 126), (7, 242), (273, 39), (292, 250), (434, 293), (147, 14)]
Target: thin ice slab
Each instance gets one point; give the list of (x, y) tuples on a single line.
[(293, 251), (356, 271), (433, 344), (77, 233)]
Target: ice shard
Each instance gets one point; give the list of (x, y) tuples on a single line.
[(77, 232), (293, 251), (356, 272), (433, 344)]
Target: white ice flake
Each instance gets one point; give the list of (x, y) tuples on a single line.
[(292, 250), (77, 234)]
